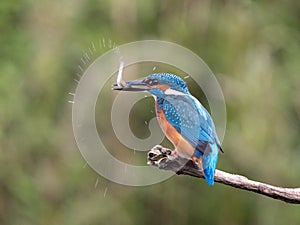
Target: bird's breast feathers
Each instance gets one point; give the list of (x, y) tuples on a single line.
[(183, 147)]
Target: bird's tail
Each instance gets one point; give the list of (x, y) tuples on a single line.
[(209, 163)]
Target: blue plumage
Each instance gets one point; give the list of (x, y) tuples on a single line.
[(164, 79), (181, 114), (186, 114)]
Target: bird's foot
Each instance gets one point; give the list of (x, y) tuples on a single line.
[(167, 159), (197, 162)]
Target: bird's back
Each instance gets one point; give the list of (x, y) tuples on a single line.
[(188, 125)]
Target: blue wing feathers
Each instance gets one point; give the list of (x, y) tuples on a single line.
[(209, 163), (190, 119), (193, 122)]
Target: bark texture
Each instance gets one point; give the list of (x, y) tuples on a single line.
[(164, 158)]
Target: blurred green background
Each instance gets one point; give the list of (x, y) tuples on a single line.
[(251, 46)]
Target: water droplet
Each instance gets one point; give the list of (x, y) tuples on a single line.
[(96, 184), (105, 191)]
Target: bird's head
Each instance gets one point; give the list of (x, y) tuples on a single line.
[(157, 84)]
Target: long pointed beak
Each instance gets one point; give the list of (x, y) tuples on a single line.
[(136, 85)]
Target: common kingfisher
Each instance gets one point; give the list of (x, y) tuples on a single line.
[(183, 119)]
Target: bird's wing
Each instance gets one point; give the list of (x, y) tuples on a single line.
[(209, 125), (190, 119)]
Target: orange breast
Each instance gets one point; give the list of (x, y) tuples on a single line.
[(183, 147)]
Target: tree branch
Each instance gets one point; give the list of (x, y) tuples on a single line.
[(164, 159)]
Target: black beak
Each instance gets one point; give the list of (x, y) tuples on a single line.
[(136, 85)]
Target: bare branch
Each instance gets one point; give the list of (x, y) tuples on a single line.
[(164, 159)]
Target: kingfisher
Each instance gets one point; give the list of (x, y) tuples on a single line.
[(183, 119)]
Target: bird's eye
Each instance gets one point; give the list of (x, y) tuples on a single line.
[(151, 82)]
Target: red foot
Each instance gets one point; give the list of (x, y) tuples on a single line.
[(197, 162)]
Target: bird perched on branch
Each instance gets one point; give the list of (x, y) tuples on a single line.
[(183, 119)]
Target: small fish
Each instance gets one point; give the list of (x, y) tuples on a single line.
[(120, 81)]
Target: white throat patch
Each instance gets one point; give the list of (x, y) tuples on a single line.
[(173, 92)]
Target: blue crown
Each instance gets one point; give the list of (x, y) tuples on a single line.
[(171, 80)]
